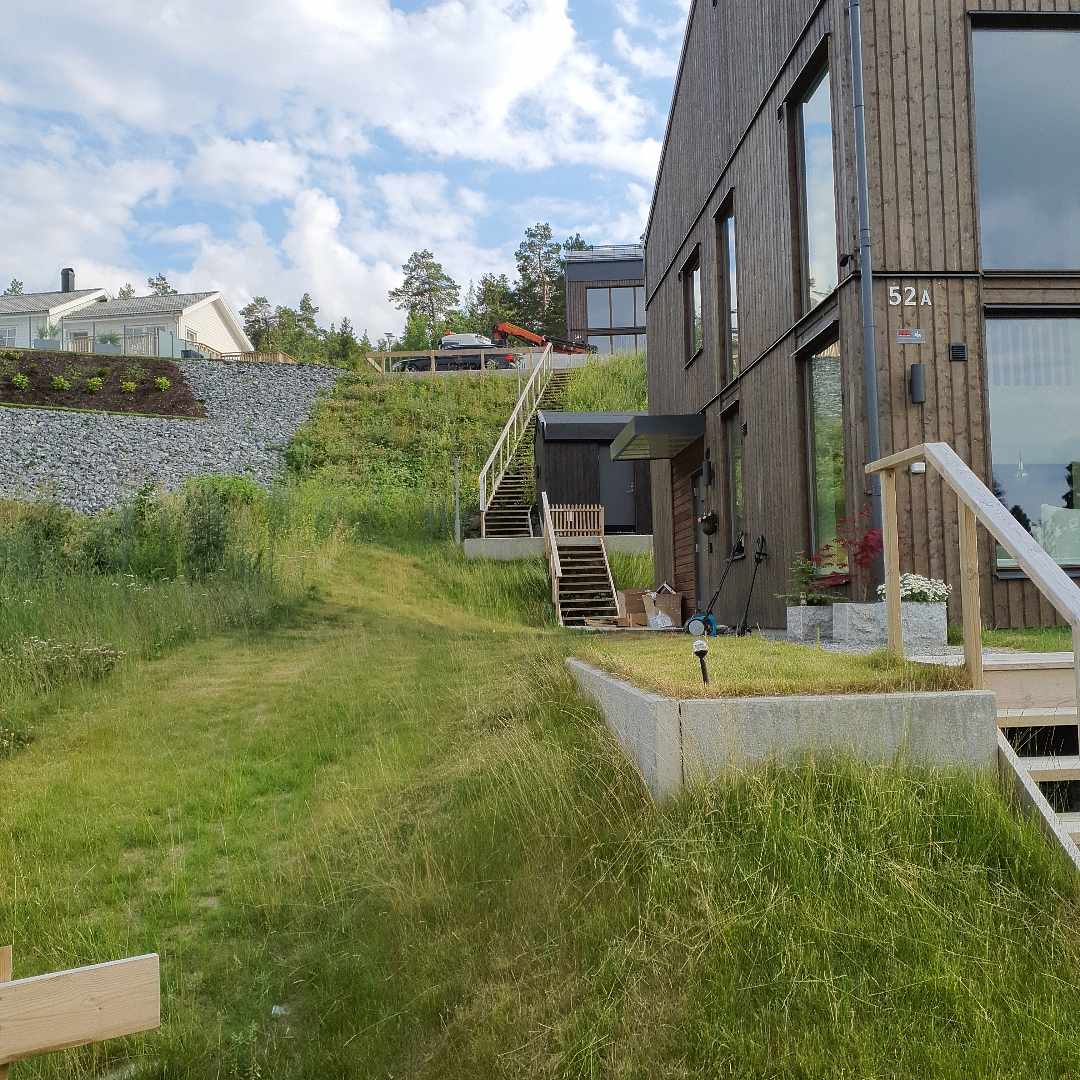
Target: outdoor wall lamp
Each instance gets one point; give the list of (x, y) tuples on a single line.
[(918, 384)]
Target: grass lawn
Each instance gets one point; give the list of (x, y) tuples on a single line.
[(753, 667), (1051, 639), (394, 817)]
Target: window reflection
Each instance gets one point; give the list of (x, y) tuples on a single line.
[(1033, 371), (819, 196), (826, 411), (1028, 147)]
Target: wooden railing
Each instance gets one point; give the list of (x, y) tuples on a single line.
[(977, 505), (383, 362), (256, 357), (577, 520), (551, 549), (497, 464)]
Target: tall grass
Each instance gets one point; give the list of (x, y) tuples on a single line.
[(613, 384)]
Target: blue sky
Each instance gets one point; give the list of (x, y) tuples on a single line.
[(277, 146)]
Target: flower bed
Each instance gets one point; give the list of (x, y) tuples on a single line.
[(144, 385)]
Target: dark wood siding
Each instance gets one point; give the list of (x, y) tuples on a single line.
[(729, 133), (684, 529)]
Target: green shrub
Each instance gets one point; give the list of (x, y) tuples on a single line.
[(162, 383), (20, 381), (12, 741), (110, 338), (128, 386), (95, 384), (58, 382)]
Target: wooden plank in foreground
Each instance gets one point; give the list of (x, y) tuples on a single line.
[(72, 1008)]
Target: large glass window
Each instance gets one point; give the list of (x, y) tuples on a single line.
[(599, 309), (818, 193), (1028, 137), (1033, 371), (727, 272), (695, 327), (826, 421), (736, 493), (622, 308), (602, 344)]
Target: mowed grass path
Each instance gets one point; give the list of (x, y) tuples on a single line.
[(396, 820)]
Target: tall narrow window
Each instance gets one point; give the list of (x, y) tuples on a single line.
[(695, 328), (819, 252), (827, 459), (598, 305), (1028, 128), (727, 274), (1033, 371), (622, 308), (736, 494)]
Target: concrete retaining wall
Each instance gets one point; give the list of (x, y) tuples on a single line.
[(510, 549), (674, 742)]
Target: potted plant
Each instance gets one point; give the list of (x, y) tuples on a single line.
[(924, 617), (48, 336), (108, 344), (810, 601)]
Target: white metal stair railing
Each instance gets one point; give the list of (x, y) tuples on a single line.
[(502, 456)]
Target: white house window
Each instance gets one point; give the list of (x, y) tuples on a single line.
[(7, 336), (192, 335)]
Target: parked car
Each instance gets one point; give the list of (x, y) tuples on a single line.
[(472, 352)]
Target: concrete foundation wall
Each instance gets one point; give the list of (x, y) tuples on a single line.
[(675, 742)]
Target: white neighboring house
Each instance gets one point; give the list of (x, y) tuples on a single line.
[(23, 317), (166, 324)]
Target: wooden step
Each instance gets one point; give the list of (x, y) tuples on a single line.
[(1021, 718), (1026, 681), (1071, 824), (1042, 769)]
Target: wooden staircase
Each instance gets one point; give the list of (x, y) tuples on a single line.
[(510, 511), (1037, 713), (586, 590)]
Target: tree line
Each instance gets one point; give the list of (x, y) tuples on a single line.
[(433, 303)]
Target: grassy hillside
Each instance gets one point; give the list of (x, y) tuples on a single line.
[(618, 384), (395, 818), (373, 832)]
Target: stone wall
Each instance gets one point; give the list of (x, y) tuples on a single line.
[(90, 461)]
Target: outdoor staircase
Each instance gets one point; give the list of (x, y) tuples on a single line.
[(510, 512), (586, 590), (1037, 713)]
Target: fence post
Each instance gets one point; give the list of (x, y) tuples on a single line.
[(5, 977), (431, 356), (457, 499), (970, 598), (893, 605)]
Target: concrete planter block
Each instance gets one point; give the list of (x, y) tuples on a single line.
[(808, 624), (926, 626), (673, 742)]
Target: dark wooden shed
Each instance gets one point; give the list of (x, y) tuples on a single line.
[(574, 466)]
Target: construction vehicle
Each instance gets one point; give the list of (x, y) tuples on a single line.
[(502, 334)]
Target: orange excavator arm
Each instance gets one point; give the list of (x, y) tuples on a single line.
[(506, 330)]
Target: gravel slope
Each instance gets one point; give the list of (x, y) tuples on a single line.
[(89, 461)]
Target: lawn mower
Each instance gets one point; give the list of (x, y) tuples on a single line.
[(703, 623)]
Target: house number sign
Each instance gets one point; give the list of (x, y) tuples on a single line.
[(908, 296)]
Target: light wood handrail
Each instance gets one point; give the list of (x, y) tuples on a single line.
[(551, 548), (977, 505), (498, 462)]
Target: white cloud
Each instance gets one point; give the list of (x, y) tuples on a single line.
[(430, 77), (656, 62), (250, 171)]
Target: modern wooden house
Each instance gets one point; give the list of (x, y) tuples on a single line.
[(605, 297), (574, 466), (888, 189)]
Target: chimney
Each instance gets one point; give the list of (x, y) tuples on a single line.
[(67, 279)]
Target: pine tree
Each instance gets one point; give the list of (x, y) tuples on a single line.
[(159, 286), (127, 292), (15, 288), (428, 294), (258, 319), (541, 282)]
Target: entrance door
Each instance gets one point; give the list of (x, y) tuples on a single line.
[(617, 493)]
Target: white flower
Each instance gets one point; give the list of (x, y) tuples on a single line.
[(916, 589)]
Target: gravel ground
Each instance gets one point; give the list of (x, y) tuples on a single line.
[(92, 461)]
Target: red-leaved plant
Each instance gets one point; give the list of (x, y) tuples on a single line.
[(861, 543)]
